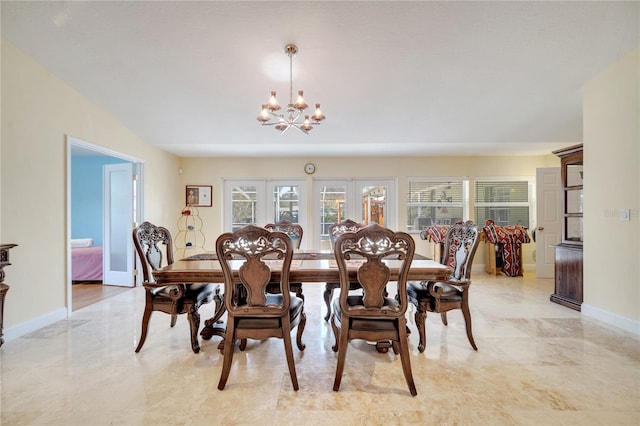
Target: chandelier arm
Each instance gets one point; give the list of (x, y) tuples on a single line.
[(276, 116), (285, 129)]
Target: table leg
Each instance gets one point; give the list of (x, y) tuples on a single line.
[(4, 288), (215, 327), (212, 328), (383, 346)]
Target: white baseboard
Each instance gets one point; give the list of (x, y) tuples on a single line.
[(19, 330), (627, 324)]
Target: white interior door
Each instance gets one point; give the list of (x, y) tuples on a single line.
[(118, 208), (548, 231)]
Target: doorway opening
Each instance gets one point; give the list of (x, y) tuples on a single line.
[(96, 239)]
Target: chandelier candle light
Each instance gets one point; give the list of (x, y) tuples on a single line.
[(295, 111)]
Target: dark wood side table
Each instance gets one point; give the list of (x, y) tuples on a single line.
[(4, 288)]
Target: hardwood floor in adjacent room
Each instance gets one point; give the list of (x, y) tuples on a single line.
[(86, 294)]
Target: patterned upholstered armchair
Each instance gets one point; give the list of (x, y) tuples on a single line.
[(460, 246)]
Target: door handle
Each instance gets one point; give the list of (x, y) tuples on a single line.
[(540, 228)]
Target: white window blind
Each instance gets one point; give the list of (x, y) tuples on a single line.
[(435, 202), (506, 202)]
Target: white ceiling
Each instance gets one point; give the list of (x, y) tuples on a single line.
[(393, 78)]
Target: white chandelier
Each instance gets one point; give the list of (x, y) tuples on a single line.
[(295, 111)]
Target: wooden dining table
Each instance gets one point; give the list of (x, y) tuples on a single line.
[(307, 266)]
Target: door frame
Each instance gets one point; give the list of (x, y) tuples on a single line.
[(73, 142)]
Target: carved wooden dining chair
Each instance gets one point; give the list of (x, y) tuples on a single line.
[(372, 316), (294, 231), (335, 230), (460, 246), (252, 312), (153, 244)]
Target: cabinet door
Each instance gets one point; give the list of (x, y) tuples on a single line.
[(568, 282)]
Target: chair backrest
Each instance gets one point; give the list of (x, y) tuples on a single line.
[(369, 247), (257, 250), (293, 230), (460, 246), (147, 239), (337, 229)]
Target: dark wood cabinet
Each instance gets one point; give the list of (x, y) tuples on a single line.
[(568, 254)]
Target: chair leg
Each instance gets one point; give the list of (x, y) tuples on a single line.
[(243, 344), (228, 354), (301, 325), (342, 353), (336, 333), (467, 319), (421, 317), (288, 350), (145, 327), (174, 318), (298, 290), (194, 325), (328, 295), (403, 342)]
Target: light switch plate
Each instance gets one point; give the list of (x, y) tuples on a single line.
[(624, 214)]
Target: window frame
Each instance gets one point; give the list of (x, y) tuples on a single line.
[(463, 203)]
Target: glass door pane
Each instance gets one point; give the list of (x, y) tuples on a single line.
[(286, 203), (333, 208), (374, 204), (243, 206), (377, 202)]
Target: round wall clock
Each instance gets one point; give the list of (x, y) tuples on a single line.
[(309, 168)]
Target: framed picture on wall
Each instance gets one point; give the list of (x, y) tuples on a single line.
[(199, 196)]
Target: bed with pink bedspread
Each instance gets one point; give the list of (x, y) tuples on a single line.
[(86, 263)]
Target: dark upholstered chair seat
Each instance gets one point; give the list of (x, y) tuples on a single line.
[(420, 291), (367, 324), (195, 292), (295, 309)]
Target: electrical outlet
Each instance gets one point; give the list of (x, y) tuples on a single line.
[(624, 214)]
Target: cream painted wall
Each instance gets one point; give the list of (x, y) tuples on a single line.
[(208, 171), (612, 181), (38, 111)]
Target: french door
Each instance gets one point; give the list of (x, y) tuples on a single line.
[(362, 200), (262, 201)]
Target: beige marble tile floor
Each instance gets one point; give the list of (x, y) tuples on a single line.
[(538, 363)]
